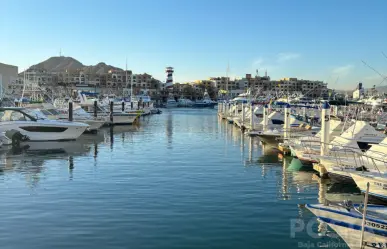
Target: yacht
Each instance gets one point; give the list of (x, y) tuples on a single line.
[(14, 118), (242, 98), (48, 111), (183, 102), (206, 102), (118, 116), (171, 102)]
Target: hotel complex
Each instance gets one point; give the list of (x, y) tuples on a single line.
[(119, 82)]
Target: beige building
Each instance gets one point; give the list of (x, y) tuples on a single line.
[(8, 77), (119, 81)]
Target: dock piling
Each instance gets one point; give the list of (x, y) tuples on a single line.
[(243, 116), (287, 122), (111, 111), (265, 117), (95, 108), (325, 117), (251, 117), (70, 110)]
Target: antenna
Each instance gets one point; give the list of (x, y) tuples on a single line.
[(228, 70), (60, 52), (256, 71), (384, 55), (373, 69)]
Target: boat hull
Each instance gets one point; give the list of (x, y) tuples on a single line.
[(46, 130), (171, 105), (348, 224), (204, 105), (124, 119), (270, 138), (378, 185)]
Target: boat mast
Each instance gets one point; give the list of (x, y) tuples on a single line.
[(24, 83), (126, 77), (227, 71), (131, 84)]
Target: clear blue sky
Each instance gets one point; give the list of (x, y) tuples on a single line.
[(315, 39)]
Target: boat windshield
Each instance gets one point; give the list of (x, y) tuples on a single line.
[(14, 115), (45, 112), (53, 112)]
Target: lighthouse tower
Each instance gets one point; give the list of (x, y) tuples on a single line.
[(169, 82)]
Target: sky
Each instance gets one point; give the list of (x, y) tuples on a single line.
[(318, 40)]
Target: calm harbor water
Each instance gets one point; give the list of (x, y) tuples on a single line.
[(181, 179)]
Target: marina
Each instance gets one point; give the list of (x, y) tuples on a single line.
[(155, 185), (203, 125), (172, 167)]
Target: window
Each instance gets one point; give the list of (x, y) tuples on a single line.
[(43, 129)]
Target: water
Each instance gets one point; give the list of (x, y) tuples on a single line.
[(179, 180)]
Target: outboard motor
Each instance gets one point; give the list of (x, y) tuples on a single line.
[(14, 137)]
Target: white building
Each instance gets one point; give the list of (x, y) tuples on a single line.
[(8, 76), (359, 92)]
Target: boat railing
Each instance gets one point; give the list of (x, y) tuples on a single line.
[(352, 155)]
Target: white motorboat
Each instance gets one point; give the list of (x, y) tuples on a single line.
[(171, 102), (115, 118), (39, 129), (48, 111), (79, 115), (183, 102), (346, 220), (360, 136), (340, 166), (378, 183)]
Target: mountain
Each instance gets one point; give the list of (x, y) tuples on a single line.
[(62, 63), (59, 64), (100, 68)]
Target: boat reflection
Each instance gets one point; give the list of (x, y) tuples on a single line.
[(30, 158)]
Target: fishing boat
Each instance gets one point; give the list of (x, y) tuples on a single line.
[(358, 137), (346, 220), (339, 166), (206, 102)]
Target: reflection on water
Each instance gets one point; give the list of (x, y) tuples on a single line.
[(169, 129), (127, 185)]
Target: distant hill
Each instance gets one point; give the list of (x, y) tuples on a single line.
[(382, 89), (100, 68), (62, 63)]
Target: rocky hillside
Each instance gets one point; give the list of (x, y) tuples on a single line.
[(62, 63)]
